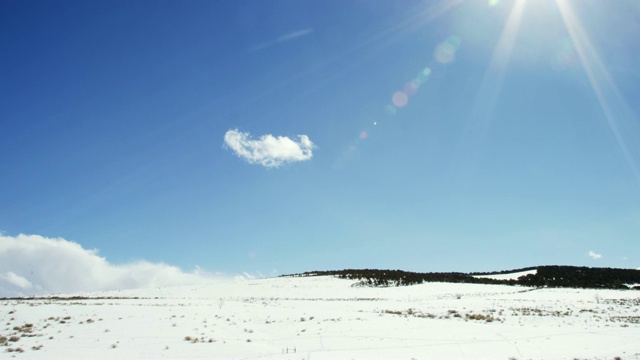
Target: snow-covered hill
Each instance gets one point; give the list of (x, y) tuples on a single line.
[(508, 276), (326, 318)]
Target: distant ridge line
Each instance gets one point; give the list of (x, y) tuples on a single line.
[(502, 272), (545, 276)]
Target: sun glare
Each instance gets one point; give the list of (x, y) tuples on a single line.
[(491, 86), (502, 53), (611, 102), (576, 48)]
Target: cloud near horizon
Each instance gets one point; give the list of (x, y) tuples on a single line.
[(594, 255), (36, 265), (269, 151)]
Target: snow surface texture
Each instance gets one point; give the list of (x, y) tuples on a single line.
[(326, 318), (509, 276)]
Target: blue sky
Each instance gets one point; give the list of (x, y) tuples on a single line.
[(417, 135)]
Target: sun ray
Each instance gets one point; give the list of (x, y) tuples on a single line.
[(609, 98), (490, 88), (502, 53), (494, 76)]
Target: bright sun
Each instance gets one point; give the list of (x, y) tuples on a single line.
[(610, 101)]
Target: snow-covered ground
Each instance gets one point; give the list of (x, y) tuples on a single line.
[(327, 318), (509, 276)]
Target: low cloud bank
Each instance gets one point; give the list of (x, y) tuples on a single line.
[(268, 150), (36, 265)]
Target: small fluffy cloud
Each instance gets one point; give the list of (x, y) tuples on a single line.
[(594, 255), (36, 265), (269, 151)]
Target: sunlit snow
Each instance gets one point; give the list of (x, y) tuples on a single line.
[(327, 318)]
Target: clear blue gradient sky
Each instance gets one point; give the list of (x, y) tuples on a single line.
[(447, 135)]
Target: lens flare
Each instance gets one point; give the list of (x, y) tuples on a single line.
[(400, 99), (391, 110), (446, 51), (411, 87), (565, 55)]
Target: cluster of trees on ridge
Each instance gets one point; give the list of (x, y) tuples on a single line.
[(549, 276)]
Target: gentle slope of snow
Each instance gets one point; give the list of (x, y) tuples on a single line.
[(327, 318), (509, 276)]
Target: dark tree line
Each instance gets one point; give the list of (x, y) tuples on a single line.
[(582, 277), (549, 276)]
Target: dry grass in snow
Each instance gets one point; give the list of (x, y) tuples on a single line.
[(326, 318)]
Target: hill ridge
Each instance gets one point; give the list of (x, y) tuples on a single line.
[(545, 276)]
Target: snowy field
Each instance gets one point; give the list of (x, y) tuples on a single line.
[(509, 276), (326, 318)]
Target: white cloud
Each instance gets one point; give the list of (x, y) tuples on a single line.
[(36, 265), (16, 280), (594, 255), (269, 151), (283, 38)]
